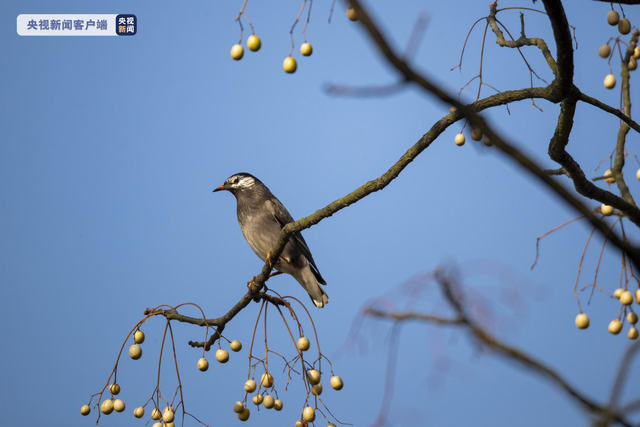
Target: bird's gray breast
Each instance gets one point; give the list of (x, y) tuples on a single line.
[(259, 228)]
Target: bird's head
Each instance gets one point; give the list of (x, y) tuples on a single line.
[(239, 182)]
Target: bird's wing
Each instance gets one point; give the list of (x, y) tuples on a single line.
[(283, 217)]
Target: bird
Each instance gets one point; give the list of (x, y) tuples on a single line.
[(261, 217)]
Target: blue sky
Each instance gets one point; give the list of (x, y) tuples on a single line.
[(111, 147)]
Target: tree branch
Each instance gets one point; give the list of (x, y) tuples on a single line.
[(522, 41), (220, 322), (564, 47), (449, 289), (412, 315), (551, 93), (604, 107)]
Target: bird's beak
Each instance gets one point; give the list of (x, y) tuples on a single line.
[(219, 188)]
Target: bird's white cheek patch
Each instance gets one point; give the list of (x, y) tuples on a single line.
[(246, 182)]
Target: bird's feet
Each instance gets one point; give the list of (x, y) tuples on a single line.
[(269, 258)]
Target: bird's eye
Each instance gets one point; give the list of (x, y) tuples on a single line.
[(235, 180)]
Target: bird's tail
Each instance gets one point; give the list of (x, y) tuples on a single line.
[(309, 282)]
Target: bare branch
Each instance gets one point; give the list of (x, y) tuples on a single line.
[(449, 289), (620, 1), (554, 93), (412, 315), (220, 322), (604, 107), (555, 172)]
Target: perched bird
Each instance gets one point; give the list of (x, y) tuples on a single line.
[(261, 217)]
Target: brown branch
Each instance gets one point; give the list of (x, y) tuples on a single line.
[(558, 153), (412, 315), (619, 158), (564, 47), (220, 322), (620, 1), (557, 147), (555, 172), (449, 289), (604, 107), (622, 373), (521, 42), (551, 93)]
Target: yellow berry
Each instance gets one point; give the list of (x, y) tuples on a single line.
[(236, 345), (222, 356), (313, 375), (244, 415), (633, 64), (138, 412), (157, 424), (114, 389), (608, 178), (476, 134), (303, 344), (624, 26), (613, 18), (309, 414), (352, 14), (138, 337), (300, 423), (155, 414), (626, 298), (606, 210), (169, 425), (269, 401), (615, 327), (604, 51), (257, 399), (459, 140), (119, 405), (253, 43), (316, 390), (85, 410), (267, 380), (618, 292), (331, 425), (610, 81), (238, 407), (638, 296), (277, 405), (250, 386), (237, 52), (203, 364), (636, 53), (633, 333), (107, 407), (487, 141), (306, 49), (167, 415), (632, 318), (582, 321), (336, 382), (289, 65), (135, 352)]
